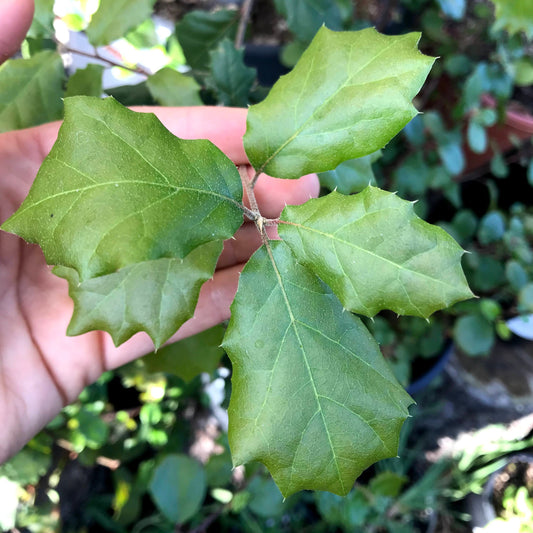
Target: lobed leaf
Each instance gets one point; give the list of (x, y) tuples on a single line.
[(153, 296), (230, 77), (115, 18), (118, 189), (348, 95), (31, 90), (312, 397), (375, 253)]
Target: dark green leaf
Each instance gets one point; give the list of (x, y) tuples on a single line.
[(199, 32), (31, 91), (375, 253), (349, 94), (230, 77), (171, 88), (178, 487), (189, 357), (387, 484), (304, 17), (153, 296), (351, 176), (118, 189), (473, 334), (86, 82), (302, 401), (130, 95), (115, 18)]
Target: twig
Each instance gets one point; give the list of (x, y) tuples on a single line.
[(137, 69), (202, 527), (246, 10)]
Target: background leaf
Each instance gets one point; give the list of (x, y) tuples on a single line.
[(351, 176), (118, 189), (153, 296), (172, 88), (86, 81), (31, 91), (199, 32), (230, 77), (312, 397), (375, 253), (178, 487), (348, 95), (43, 20), (304, 17), (188, 357), (514, 17), (115, 18)]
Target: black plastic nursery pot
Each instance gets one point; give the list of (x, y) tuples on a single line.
[(483, 508)]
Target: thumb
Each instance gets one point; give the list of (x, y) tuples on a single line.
[(15, 20)]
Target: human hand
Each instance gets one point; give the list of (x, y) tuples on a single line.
[(41, 369)]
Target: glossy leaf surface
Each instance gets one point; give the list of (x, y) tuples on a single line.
[(301, 401), (348, 95), (154, 296), (375, 253), (118, 189), (115, 18), (172, 88), (31, 91), (199, 32)]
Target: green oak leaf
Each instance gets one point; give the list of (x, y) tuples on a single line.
[(31, 91), (130, 95), (172, 88), (312, 397), (199, 32), (304, 17), (514, 16), (347, 96), (115, 18), (351, 176), (375, 253), (118, 189), (86, 81), (230, 77), (153, 296)]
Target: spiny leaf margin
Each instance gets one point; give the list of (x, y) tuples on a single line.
[(301, 401)]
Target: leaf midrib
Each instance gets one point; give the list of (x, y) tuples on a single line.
[(80, 190), (311, 379), (364, 250)]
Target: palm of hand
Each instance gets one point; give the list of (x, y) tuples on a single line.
[(41, 369)]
